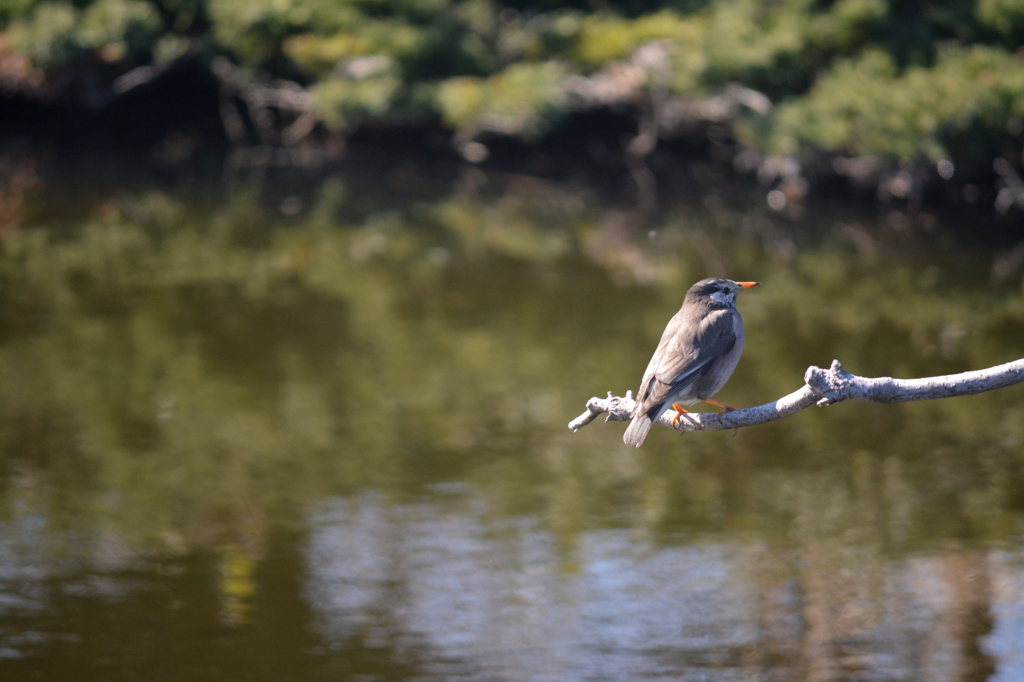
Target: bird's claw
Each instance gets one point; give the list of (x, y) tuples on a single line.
[(726, 407), (679, 415)]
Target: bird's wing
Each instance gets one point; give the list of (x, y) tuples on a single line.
[(682, 358)]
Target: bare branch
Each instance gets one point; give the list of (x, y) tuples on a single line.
[(836, 384), (822, 387), (268, 105)]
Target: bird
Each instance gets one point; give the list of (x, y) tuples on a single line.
[(696, 356)]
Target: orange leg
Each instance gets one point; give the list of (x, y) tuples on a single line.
[(726, 407), (679, 415)]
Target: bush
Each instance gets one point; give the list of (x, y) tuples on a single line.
[(866, 106), (525, 99), (907, 80)]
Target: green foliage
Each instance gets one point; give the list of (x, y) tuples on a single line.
[(318, 55), (342, 100), (253, 29), (604, 38), (170, 47), (1005, 16), (848, 24), (866, 106), (127, 26), (905, 80), (47, 34), (55, 33), (746, 33), (523, 99), (15, 8)]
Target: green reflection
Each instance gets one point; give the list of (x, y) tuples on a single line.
[(186, 377)]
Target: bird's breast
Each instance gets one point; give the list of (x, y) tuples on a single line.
[(714, 380)]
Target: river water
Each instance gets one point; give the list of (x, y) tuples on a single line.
[(324, 437)]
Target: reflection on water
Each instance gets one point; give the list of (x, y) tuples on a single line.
[(438, 589), (334, 445), (494, 601)]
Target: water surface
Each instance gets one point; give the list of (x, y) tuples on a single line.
[(329, 442)]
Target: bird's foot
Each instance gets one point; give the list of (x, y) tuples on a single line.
[(726, 407), (679, 415)]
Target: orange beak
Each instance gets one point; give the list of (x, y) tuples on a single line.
[(747, 285)]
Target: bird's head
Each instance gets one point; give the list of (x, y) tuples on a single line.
[(717, 291)]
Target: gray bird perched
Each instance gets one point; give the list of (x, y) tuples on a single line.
[(695, 357)]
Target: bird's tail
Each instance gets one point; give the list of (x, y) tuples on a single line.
[(637, 430)]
